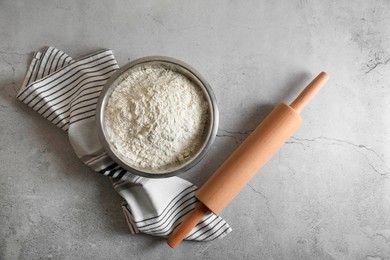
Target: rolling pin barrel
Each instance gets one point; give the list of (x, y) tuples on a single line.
[(248, 159)]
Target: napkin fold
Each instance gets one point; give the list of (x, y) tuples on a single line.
[(65, 91)]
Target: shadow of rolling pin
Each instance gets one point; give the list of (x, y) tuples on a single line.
[(247, 159)]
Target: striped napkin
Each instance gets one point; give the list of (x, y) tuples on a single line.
[(65, 91)]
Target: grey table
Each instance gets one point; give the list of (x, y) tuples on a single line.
[(325, 195)]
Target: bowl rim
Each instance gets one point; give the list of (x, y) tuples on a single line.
[(103, 98)]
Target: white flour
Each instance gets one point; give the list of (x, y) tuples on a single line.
[(155, 118)]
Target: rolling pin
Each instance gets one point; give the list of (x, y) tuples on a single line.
[(247, 159)]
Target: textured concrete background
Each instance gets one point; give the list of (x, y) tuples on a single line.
[(325, 195)]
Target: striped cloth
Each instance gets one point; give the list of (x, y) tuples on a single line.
[(65, 91)]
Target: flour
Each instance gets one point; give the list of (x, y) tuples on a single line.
[(155, 118)]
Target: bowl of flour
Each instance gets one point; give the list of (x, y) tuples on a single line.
[(157, 117)]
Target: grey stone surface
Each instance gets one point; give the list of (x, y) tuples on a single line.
[(325, 195)]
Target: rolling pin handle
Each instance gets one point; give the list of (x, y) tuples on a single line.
[(309, 92), (187, 225)]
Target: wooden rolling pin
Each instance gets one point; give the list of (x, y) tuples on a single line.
[(247, 160)]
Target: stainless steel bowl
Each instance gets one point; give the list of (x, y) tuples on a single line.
[(211, 126)]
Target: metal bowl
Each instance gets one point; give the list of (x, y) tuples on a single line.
[(211, 126)]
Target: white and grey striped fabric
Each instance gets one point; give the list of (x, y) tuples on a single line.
[(65, 91)]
